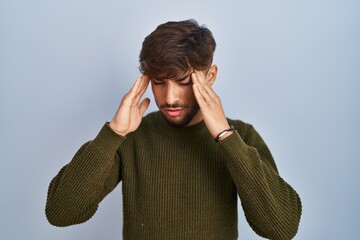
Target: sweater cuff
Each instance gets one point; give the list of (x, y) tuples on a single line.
[(236, 149), (233, 142), (107, 140)]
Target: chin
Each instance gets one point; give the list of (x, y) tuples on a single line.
[(182, 122), (177, 124)]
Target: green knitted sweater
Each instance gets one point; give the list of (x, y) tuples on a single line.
[(177, 183)]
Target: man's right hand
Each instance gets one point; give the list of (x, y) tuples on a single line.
[(129, 114)]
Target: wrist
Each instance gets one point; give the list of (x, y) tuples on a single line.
[(225, 133), (112, 125)]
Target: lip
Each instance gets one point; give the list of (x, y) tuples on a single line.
[(173, 112)]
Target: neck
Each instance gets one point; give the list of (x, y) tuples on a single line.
[(196, 119), (193, 128)]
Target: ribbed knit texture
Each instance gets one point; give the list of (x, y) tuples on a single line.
[(177, 183)]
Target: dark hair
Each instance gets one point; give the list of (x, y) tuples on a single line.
[(174, 48)]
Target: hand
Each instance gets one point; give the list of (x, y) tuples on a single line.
[(210, 104), (129, 114)]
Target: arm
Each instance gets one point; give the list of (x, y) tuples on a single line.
[(76, 191), (272, 207)]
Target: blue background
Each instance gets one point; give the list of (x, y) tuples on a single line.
[(291, 68)]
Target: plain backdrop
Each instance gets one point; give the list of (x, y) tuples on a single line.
[(290, 68)]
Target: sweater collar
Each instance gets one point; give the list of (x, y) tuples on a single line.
[(162, 126)]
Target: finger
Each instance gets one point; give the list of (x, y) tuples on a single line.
[(204, 82), (201, 89), (205, 88), (130, 96), (136, 85), (199, 98), (200, 77), (197, 79), (144, 105), (144, 83)]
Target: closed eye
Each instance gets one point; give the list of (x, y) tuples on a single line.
[(184, 81), (157, 82)]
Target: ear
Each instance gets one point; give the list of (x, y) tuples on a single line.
[(211, 74)]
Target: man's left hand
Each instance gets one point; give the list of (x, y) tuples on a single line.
[(210, 104)]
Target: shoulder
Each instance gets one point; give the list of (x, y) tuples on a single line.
[(244, 129), (150, 119), (151, 115), (147, 125), (240, 125)]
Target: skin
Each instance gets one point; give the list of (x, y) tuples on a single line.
[(176, 101), (183, 102)]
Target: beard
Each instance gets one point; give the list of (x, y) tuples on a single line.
[(184, 120)]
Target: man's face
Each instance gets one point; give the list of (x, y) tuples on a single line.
[(176, 100)]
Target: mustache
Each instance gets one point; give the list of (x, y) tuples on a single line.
[(175, 106)]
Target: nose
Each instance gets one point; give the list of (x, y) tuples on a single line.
[(172, 92)]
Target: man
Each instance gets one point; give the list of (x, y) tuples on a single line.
[(182, 167)]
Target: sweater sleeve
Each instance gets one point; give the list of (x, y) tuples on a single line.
[(76, 191), (271, 206)]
